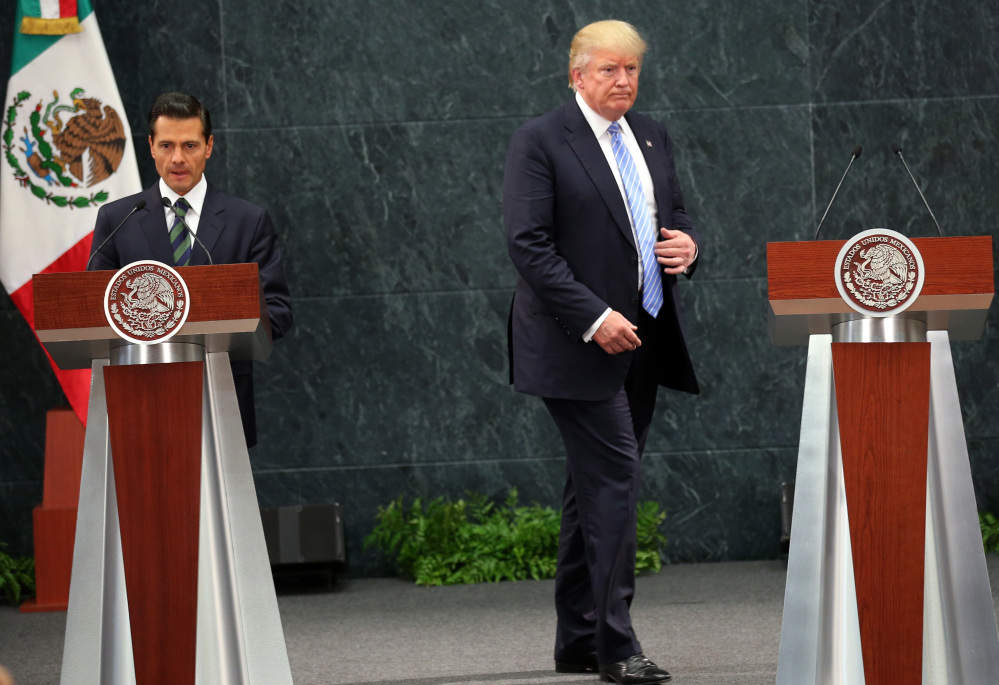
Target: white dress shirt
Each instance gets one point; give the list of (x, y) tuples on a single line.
[(599, 125), (195, 198)]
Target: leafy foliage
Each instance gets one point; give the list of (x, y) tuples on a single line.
[(474, 540), (990, 532), (650, 538), (16, 576)]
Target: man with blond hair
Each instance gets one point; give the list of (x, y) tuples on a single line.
[(596, 227)]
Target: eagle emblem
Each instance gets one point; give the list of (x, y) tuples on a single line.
[(879, 272), (146, 302), (149, 300), (64, 145), (92, 128)]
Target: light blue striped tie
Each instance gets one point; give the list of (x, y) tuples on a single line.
[(652, 290)]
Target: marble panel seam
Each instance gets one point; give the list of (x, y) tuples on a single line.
[(532, 460), (903, 101), (403, 293), (497, 290), (388, 123), (723, 451), (398, 465)]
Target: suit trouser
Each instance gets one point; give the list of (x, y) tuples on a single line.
[(595, 578)]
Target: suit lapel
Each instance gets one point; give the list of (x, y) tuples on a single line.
[(155, 227), (580, 138), (210, 227), (654, 159)]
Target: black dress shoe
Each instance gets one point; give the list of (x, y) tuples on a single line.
[(635, 670), (586, 663)]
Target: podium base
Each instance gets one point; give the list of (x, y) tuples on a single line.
[(239, 637), (33, 606), (820, 634)]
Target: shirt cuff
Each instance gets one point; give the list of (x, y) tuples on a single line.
[(592, 330), (696, 251)]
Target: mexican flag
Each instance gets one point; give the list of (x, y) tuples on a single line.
[(67, 150)]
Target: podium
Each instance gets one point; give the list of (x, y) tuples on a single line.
[(886, 580), (171, 581)]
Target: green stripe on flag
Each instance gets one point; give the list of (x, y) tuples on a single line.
[(27, 48), (33, 8)]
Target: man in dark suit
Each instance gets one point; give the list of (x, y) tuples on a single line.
[(595, 326), (234, 231)]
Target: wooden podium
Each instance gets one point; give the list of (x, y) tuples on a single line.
[(887, 582), (171, 582)]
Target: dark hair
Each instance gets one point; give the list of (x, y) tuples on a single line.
[(179, 106)]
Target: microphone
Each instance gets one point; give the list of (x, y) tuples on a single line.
[(138, 205), (169, 205), (898, 151), (856, 153)]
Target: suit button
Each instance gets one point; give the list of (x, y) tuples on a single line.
[(634, 300), (634, 261)]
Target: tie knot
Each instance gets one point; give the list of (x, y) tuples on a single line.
[(614, 129), (181, 206)]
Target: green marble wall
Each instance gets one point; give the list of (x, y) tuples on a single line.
[(375, 133)]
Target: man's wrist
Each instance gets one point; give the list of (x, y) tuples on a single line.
[(592, 330)]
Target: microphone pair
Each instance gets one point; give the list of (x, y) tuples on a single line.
[(856, 153), (141, 204)]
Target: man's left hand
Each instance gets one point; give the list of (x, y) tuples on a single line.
[(676, 252)]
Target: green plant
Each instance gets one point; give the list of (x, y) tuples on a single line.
[(990, 532), (651, 540), (16, 576), (474, 540)]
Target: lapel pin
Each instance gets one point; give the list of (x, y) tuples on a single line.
[(649, 143)]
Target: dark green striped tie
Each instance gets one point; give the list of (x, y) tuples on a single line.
[(180, 235)]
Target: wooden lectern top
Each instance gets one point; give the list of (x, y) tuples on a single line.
[(228, 314), (801, 286)]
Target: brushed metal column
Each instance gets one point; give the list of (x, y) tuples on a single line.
[(98, 646), (820, 631), (240, 637)]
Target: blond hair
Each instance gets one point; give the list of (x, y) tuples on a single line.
[(610, 34)]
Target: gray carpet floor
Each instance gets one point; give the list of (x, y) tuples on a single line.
[(708, 624)]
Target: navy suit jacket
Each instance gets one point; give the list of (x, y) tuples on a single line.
[(569, 236), (233, 230)]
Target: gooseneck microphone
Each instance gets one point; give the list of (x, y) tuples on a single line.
[(856, 153), (138, 205), (169, 205), (898, 151)]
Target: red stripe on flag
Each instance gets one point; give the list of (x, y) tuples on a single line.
[(75, 382), (67, 8)]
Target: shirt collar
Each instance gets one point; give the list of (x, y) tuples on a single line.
[(195, 197), (597, 122)]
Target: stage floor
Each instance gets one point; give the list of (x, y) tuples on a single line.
[(708, 624)]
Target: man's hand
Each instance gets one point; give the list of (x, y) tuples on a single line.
[(616, 334), (676, 252)]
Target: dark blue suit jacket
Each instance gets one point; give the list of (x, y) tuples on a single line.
[(233, 230), (570, 239)]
